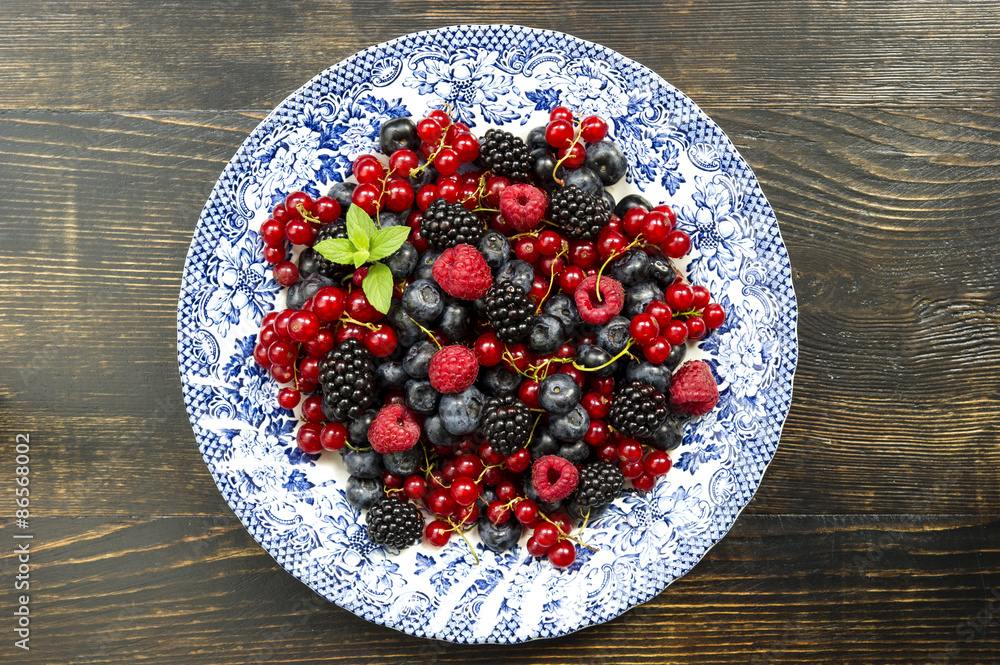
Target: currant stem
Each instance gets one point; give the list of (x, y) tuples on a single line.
[(429, 334), (552, 278), (621, 353)]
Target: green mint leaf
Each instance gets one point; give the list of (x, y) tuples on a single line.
[(360, 257), (360, 227), (378, 287), (337, 250), (387, 240)]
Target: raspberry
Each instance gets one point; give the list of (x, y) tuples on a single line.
[(453, 369), (554, 478), (693, 391), (599, 310), (393, 430), (523, 206), (462, 272)]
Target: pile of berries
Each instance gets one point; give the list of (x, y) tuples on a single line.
[(528, 364)]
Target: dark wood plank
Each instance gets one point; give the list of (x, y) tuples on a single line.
[(787, 589), (888, 216), (732, 53)]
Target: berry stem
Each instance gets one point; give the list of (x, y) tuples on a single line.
[(458, 529), (427, 332), (614, 255), (621, 353), (552, 278)]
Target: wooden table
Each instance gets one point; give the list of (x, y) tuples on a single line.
[(874, 130)]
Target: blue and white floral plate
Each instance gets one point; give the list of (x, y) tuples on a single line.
[(294, 504)]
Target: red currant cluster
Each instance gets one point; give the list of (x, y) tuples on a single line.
[(297, 221), (569, 136)]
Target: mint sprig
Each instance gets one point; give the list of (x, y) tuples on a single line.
[(365, 242)]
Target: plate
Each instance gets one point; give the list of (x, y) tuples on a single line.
[(293, 504)]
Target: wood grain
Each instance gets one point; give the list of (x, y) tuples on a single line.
[(732, 53), (786, 589), (897, 288)]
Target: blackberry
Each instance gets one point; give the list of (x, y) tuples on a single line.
[(394, 523), (600, 484), (313, 262), (509, 311), (506, 424), (638, 410), (448, 224), (505, 154), (578, 214), (347, 376)]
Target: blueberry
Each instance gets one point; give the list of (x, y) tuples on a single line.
[(591, 355), (461, 412), (364, 463), (418, 358), (427, 176), (657, 376), (406, 329), (304, 289), (488, 495), (397, 134), (499, 538), (479, 307), (607, 161), (518, 271), (536, 139), (363, 493), (559, 393), (674, 359), (387, 218), (574, 452), (403, 261), (631, 201), (420, 396), (630, 268), (609, 199), (357, 429), (498, 380), (425, 264), (456, 322), (542, 443), (404, 462), (423, 301), (577, 513), (308, 262), (661, 270), (614, 335), (667, 436), (391, 375), (495, 248), (585, 179), (547, 334), (570, 426), (563, 307), (542, 164), (640, 295), (436, 433), (342, 193)]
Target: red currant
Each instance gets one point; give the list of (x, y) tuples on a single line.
[(272, 232), (296, 199), (333, 436), (559, 133), (573, 156), (676, 244), (275, 254), (656, 463), (562, 555), (634, 220), (288, 398), (399, 195), (447, 161), (414, 487), (528, 393), (696, 327), (676, 332), (308, 438), (561, 113), (440, 502), (680, 297), (464, 491), (430, 130), (702, 297), (488, 350), (644, 328), (714, 316), (643, 482), (658, 350), (655, 227), (593, 129), (519, 461), (660, 311), (368, 197), (438, 532), (381, 341), (299, 232), (326, 209), (629, 450), (526, 511), (583, 253), (303, 326), (402, 162), (368, 170)]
